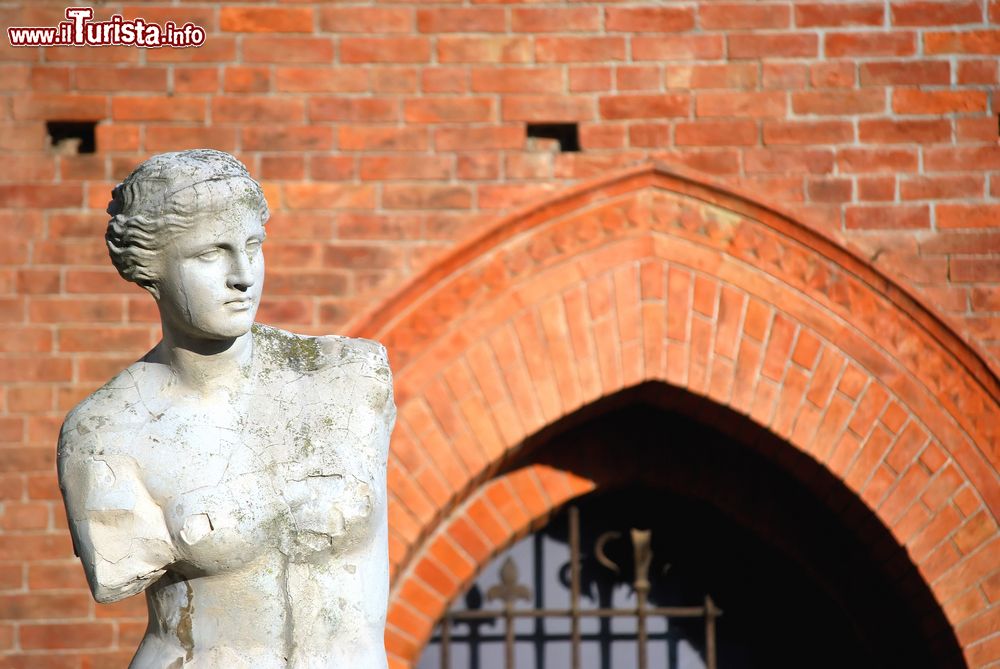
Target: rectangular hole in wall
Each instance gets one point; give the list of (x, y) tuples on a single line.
[(72, 137), (567, 134)]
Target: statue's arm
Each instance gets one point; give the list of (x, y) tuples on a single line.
[(118, 530)]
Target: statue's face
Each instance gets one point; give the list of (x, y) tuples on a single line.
[(211, 275)]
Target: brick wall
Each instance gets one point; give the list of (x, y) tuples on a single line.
[(384, 133)]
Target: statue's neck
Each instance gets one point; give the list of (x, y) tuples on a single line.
[(206, 367)]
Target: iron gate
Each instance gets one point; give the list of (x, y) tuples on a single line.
[(509, 590)]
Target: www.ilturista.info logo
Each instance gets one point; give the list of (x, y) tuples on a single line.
[(79, 30)]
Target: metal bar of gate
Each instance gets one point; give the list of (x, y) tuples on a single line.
[(574, 602), (446, 642), (509, 591)]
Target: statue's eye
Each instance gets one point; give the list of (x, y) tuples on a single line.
[(209, 255), (253, 245)]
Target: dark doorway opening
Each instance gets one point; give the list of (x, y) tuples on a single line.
[(805, 574)]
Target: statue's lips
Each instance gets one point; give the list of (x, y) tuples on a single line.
[(241, 304)]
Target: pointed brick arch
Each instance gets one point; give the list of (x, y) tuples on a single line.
[(649, 275)]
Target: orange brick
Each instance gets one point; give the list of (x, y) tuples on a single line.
[(266, 19)]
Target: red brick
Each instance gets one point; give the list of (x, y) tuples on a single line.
[(39, 606), (329, 196), (68, 636), (638, 78), (974, 532), (196, 80), (177, 138), (838, 103), (785, 75), (977, 71), (154, 109), (644, 106), (36, 196), (414, 196), (742, 16), (824, 189), (649, 134), (374, 138), (808, 132), (984, 298), (833, 74), (463, 138), (678, 47), (544, 20), (282, 167), (980, 42), (783, 160), (648, 19), (448, 110), (461, 20), (366, 20), (961, 159), (392, 79), (287, 138), (979, 130), (232, 109), (583, 79), (757, 104), (876, 189), (909, 13), (866, 160), (516, 80), (96, 339), (968, 215), (908, 217), (385, 50), (478, 166), (121, 79), (451, 49), (444, 80), (869, 44), (716, 133), (320, 80), (766, 45), (892, 73), (577, 49), (24, 137), (405, 167), (356, 110), (269, 50), (918, 101), (839, 14), (41, 106), (728, 75), (266, 19), (942, 187), (885, 131)]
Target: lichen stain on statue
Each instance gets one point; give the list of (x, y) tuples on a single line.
[(236, 473)]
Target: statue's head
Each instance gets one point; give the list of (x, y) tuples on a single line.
[(188, 227)]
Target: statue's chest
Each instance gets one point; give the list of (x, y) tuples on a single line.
[(271, 474)]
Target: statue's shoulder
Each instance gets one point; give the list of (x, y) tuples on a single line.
[(117, 407), (322, 354)]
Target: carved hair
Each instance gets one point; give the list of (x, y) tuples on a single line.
[(166, 195)]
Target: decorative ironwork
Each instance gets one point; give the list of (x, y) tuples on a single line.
[(509, 590)]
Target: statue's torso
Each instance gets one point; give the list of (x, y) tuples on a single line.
[(273, 501)]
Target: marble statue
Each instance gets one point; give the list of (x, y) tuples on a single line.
[(237, 472)]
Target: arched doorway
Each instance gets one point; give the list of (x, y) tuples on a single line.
[(648, 276), (794, 569)]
